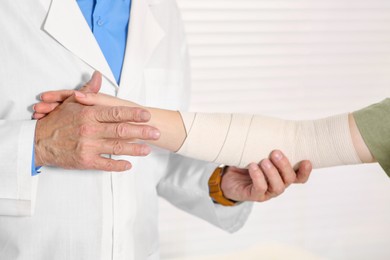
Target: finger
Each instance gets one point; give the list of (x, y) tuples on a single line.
[(110, 165), (304, 171), (118, 147), (259, 181), (126, 131), (121, 114), (45, 108), (284, 167), (38, 116), (94, 84), (91, 99), (275, 182), (56, 96)]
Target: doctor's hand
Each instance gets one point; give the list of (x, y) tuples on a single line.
[(263, 181), (74, 136)]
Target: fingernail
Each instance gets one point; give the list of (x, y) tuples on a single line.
[(145, 115), (155, 134), (128, 166), (92, 79), (33, 107), (79, 94), (266, 164), (277, 156)]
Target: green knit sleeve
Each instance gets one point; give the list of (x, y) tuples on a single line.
[(374, 125)]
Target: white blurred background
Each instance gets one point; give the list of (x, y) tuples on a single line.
[(295, 59)]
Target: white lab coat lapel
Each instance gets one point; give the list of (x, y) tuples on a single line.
[(144, 35), (66, 24)]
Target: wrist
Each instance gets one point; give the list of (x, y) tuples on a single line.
[(38, 162), (215, 189), (225, 187), (38, 153)]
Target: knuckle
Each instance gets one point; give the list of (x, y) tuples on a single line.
[(262, 189), (136, 114), (289, 178), (116, 113), (86, 161), (82, 148), (145, 132), (85, 130), (121, 130), (278, 190), (84, 155), (109, 165), (117, 148)]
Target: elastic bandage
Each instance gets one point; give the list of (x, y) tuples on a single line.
[(235, 139)]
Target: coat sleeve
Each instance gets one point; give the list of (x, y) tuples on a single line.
[(185, 185), (17, 186)]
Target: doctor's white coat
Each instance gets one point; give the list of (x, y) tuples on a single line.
[(68, 214)]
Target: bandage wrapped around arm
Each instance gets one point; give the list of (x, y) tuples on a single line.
[(235, 139)]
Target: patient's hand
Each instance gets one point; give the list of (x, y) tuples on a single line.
[(263, 181)]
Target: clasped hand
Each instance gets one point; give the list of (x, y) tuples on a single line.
[(75, 136)]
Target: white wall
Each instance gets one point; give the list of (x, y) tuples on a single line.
[(294, 59)]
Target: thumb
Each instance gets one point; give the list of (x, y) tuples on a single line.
[(87, 99), (94, 84)]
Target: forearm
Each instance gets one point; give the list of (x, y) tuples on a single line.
[(358, 142), (235, 151), (170, 124), (173, 134), (241, 139)]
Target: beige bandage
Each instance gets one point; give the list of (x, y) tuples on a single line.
[(235, 139)]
